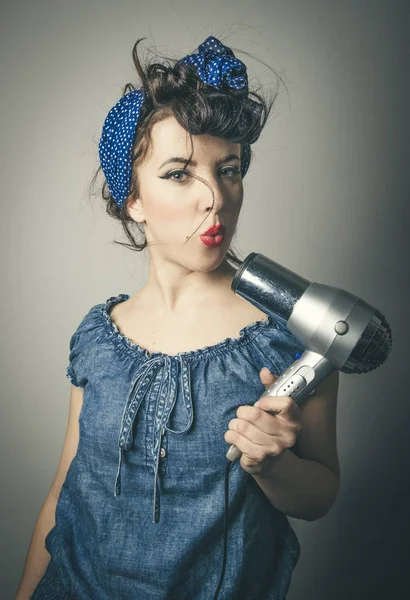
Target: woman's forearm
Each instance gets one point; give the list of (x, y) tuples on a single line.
[(37, 557), (299, 487)]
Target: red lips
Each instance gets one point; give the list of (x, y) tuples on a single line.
[(215, 230)]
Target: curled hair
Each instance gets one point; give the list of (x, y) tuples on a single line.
[(175, 89)]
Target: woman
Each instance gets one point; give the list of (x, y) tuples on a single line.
[(165, 380)]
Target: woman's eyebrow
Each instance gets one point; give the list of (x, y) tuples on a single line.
[(180, 159)]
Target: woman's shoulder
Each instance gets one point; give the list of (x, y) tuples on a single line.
[(93, 320), (86, 344), (277, 344)]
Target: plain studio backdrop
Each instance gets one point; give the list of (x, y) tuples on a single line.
[(326, 196)]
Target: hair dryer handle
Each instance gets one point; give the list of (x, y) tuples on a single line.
[(298, 381)]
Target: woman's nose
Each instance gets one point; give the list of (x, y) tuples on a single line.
[(215, 196)]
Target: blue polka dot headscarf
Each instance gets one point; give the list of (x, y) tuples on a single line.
[(216, 65)]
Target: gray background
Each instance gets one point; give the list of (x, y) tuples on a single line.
[(326, 196)]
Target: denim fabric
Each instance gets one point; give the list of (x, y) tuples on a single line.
[(141, 511), (49, 586)]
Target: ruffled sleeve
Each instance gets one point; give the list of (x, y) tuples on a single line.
[(277, 347), (80, 341)]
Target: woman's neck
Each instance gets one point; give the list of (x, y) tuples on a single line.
[(176, 289)]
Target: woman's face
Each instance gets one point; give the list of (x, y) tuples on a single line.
[(175, 204)]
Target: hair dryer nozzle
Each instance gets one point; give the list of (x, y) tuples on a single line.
[(372, 348)]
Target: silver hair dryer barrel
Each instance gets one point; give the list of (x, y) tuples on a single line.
[(338, 329)]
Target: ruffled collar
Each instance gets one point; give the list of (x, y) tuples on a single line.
[(227, 345)]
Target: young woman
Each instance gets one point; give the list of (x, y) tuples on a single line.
[(165, 380)]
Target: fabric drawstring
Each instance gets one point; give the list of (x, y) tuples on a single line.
[(168, 394)]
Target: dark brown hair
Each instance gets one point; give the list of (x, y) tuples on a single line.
[(177, 90)]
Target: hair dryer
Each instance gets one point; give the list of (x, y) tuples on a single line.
[(337, 329)]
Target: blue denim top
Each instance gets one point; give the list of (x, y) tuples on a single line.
[(141, 511)]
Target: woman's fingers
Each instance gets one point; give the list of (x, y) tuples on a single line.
[(267, 377)]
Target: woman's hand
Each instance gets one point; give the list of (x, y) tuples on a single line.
[(263, 431)]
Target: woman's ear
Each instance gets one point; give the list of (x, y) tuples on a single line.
[(135, 210)]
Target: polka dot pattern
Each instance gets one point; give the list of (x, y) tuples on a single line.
[(216, 64), (115, 146)]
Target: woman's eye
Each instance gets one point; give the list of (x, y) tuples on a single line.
[(170, 175), (232, 170)]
